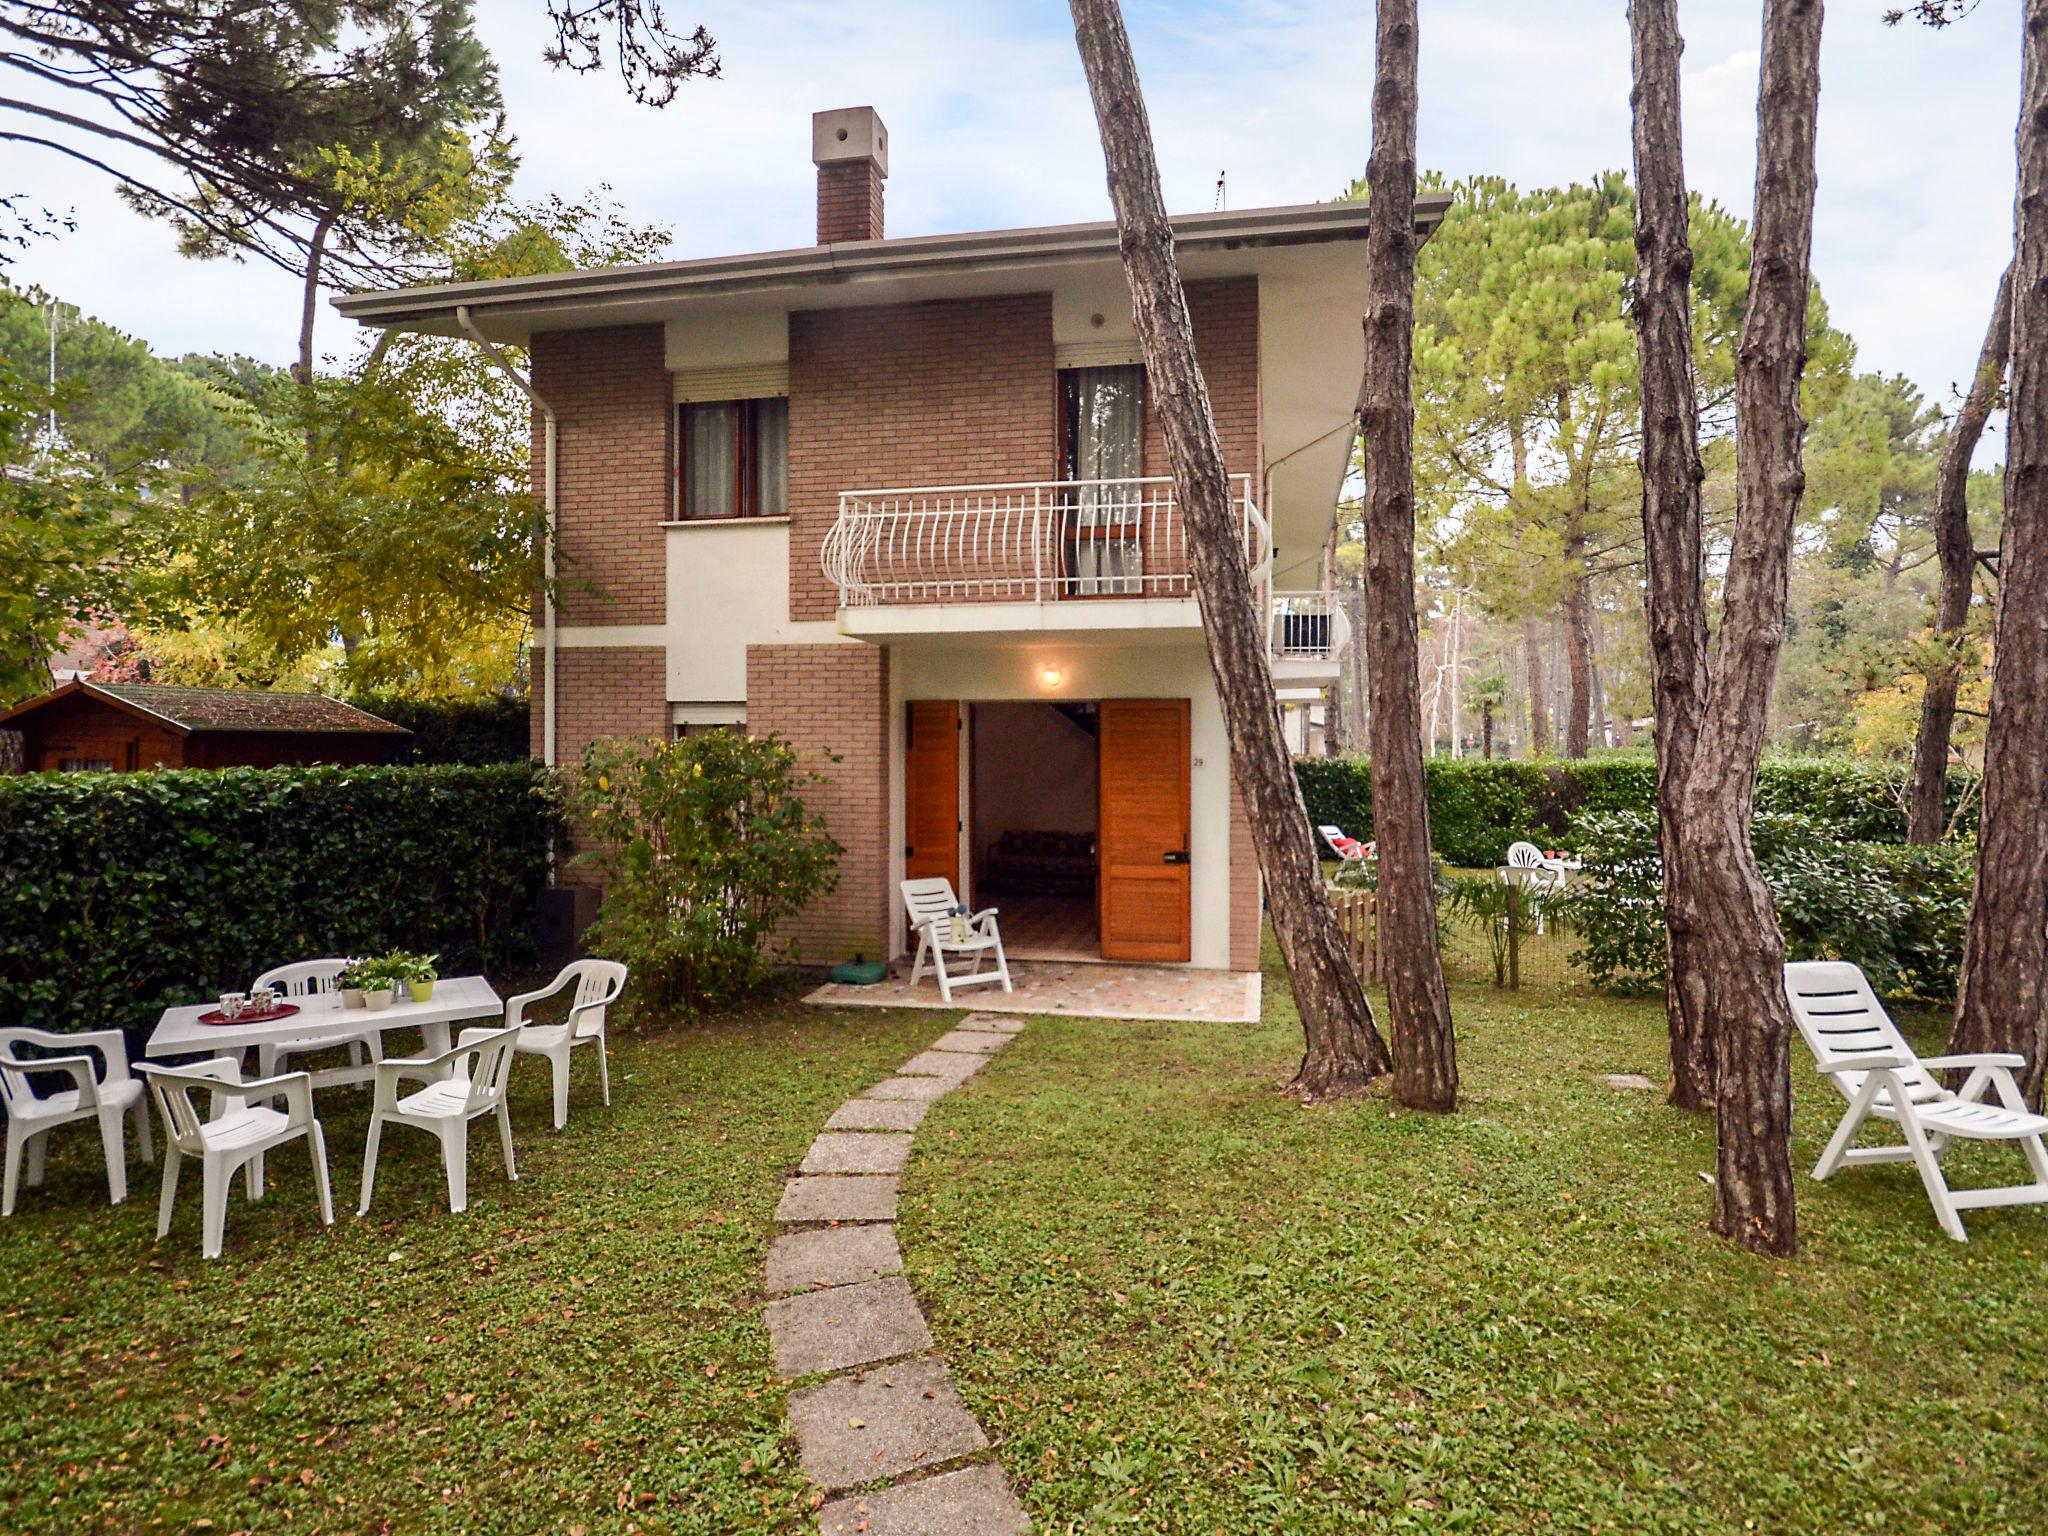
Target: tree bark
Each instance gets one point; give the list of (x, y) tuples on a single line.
[(1333, 703), (1578, 654), (2004, 984), (1539, 717), (309, 298), (1674, 593), (1927, 802), (1344, 1052), (1425, 1052), (1486, 730), (1740, 950)]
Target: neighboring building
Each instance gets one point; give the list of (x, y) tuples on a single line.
[(81, 727), (905, 502)]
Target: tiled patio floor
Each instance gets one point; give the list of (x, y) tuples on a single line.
[(1094, 990)]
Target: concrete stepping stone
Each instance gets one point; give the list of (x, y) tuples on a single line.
[(925, 1088), (839, 1197), (882, 1423), (995, 1023), (856, 1152), (981, 1041), (955, 1066), (826, 1256), (974, 1499), (878, 1115), (845, 1326)]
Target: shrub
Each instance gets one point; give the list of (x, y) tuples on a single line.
[(121, 893), (705, 846), (1477, 808), (1898, 912), (1503, 912), (486, 729)]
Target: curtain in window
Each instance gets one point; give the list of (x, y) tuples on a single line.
[(711, 440), (1106, 428), (771, 457)]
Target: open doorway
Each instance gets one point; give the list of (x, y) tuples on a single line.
[(1033, 834)]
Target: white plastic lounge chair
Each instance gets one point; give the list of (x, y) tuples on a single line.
[(463, 1083), (107, 1095), (308, 978), (598, 985), (1349, 849), (930, 904), (237, 1136), (1862, 1052)]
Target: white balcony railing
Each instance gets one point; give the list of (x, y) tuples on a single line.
[(1307, 626), (1028, 541)]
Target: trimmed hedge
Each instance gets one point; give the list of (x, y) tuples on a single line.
[(1477, 808), (490, 729), (121, 893), (1896, 910)]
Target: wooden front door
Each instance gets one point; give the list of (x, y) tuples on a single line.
[(1143, 884), (931, 787)]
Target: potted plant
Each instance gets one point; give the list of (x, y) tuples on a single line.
[(380, 984), (348, 982), (417, 972)]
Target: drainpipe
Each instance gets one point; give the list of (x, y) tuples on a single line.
[(548, 650)]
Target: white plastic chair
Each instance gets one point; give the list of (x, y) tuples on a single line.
[(312, 978), (106, 1095), (930, 904), (1349, 849), (463, 1083), (1536, 873), (598, 985), (1861, 1051), (240, 1131)]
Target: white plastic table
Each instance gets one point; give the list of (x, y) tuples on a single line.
[(456, 999)]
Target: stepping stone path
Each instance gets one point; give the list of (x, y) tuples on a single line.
[(884, 1436)]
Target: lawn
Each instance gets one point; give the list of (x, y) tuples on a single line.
[(1181, 1303), (1178, 1302), (581, 1350)]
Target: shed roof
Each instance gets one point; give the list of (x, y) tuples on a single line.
[(189, 710)]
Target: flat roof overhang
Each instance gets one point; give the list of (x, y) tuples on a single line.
[(851, 273)]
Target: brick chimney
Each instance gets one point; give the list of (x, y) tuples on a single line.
[(851, 150)]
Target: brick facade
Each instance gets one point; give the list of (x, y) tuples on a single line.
[(849, 201), (835, 699), (611, 394), (1225, 315), (604, 690), (961, 392)]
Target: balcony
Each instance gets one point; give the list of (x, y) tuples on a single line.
[(1028, 555), (1307, 633)]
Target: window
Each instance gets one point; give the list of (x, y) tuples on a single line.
[(85, 765), (1103, 417), (733, 458)]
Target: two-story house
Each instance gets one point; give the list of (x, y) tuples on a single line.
[(903, 501)]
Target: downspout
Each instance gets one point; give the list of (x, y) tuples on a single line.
[(548, 437)]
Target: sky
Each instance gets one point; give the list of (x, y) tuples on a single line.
[(990, 127)]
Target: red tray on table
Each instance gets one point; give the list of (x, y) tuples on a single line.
[(250, 1016)]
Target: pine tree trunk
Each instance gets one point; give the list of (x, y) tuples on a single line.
[(1425, 1054), (1486, 731), (1739, 948), (1539, 717), (1344, 1050), (1927, 802), (1674, 594), (2003, 995), (1578, 641)]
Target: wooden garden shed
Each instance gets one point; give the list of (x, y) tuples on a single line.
[(83, 727)]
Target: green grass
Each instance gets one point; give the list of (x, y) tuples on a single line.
[(581, 1349), (1182, 1303), (1179, 1302)]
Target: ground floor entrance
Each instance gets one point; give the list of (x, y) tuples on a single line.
[(1071, 816)]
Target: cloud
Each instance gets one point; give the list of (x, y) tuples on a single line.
[(990, 126)]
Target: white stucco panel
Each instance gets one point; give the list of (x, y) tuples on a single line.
[(728, 588)]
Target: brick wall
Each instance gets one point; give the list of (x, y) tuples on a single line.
[(835, 699), (1225, 313), (954, 393), (849, 201), (610, 390), (607, 690)]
